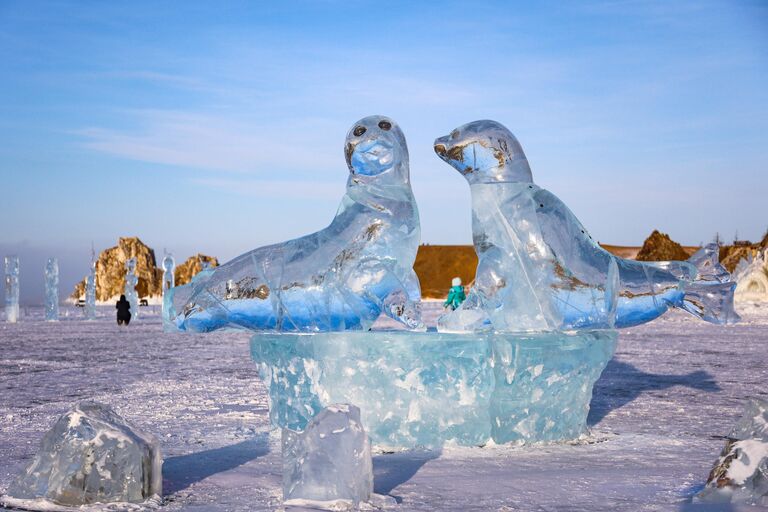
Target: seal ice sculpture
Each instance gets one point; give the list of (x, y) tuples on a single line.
[(340, 278), (540, 269), (91, 455)]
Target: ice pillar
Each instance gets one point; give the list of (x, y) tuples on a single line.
[(169, 265), (90, 293), (130, 286), (52, 290), (12, 289)]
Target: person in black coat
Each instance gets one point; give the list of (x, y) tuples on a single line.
[(123, 311)]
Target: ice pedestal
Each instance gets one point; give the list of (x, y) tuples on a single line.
[(423, 389), (329, 460), (91, 455)]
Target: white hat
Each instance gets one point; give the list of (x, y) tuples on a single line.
[(456, 281)]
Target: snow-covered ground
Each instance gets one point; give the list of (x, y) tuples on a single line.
[(659, 412)]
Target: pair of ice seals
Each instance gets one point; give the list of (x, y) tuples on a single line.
[(538, 267)]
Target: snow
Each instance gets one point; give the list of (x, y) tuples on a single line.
[(674, 388)]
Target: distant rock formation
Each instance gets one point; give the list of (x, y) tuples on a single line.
[(731, 255), (659, 247), (110, 271), (194, 264), (436, 265)]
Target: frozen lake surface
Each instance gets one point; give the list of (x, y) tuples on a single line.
[(659, 412)]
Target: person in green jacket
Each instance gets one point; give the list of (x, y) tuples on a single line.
[(456, 294)]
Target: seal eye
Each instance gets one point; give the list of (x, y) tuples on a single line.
[(385, 125), (359, 130)]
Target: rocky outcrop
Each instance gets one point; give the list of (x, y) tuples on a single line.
[(110, 271), (731, 255), (436, 265), (659, 247), (194, 264)]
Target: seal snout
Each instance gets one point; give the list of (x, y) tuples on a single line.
[(441, 147)]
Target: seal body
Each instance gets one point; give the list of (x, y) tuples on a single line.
[(342, 277), (539, 269)]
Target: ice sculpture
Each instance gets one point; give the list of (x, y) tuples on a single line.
[(540, 269), (751, 276), (741, 473), (330, 460), (169, 265), (91, 455), (90, 289), (12, 289), (52, 290), (423, 389), (130, 286), (340, 278)]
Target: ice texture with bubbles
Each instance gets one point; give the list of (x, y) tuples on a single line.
[(342, 277), (11, 289), (52, 290), (741, 473), (131, 280), (330, 459), (423, 389), (91, 455), (539, 269)]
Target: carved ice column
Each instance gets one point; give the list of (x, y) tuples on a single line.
[(52, 290), (12, 289), (130, 286), (90, 292), (169, 265)]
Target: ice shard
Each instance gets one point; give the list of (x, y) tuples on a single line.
[(741, 473), (539, 269), (12, 289), (91, 455), (130, 286), (425, 389), (340, 278), (52, 290), (330, 460)]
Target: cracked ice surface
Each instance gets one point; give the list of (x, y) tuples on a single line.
[(658, 414)]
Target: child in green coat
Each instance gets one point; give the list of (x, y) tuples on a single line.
[(456, 294)]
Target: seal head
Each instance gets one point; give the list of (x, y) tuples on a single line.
[(485, 152), (375, 150)]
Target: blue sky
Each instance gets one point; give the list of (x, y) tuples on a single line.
[(219, 126)]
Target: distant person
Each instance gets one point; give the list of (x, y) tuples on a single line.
[(456, 294), (123, 311)]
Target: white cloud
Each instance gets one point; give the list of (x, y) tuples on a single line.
[(208, 141), (275, 189)]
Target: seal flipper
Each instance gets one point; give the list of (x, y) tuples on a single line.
[(710, 296), (403, 303), (707, 263), (712, 302)]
